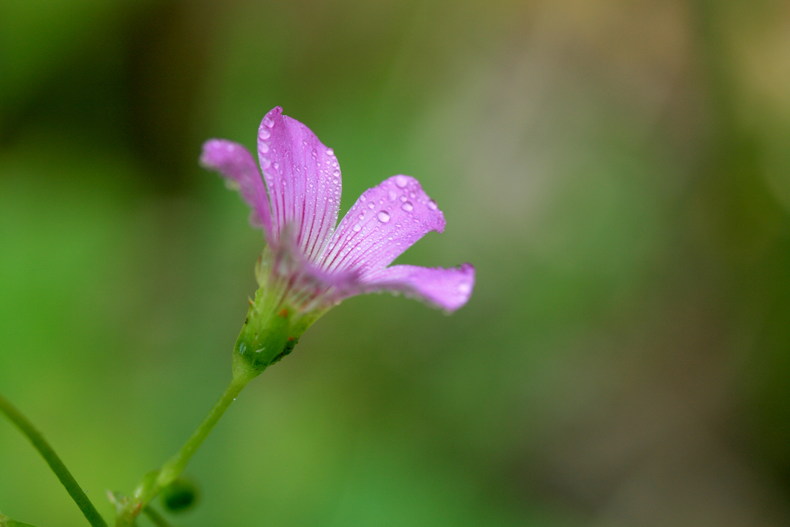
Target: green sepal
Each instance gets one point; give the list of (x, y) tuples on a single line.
[(264, 335), (274, 323)]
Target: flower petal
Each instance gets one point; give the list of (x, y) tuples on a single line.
[(303, 178), (310, 287), (447, 289), (235, 163), (385, 221)]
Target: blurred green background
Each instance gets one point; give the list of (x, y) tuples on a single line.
[(618, 172)]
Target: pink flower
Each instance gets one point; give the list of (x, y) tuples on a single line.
[(313, 263)]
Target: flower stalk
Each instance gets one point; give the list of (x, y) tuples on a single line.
[(155, 481)]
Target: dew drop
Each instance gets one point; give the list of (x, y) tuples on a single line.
[(357, 227), (464, 288), (383, 216), (371, 206), (401, 181), (265, 134), (432, 205), (268, 122), (407, 206), (392, 195), (276, 166), (263, 147), (330, 152)]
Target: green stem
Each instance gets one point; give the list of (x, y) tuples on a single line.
[(54, 462), (153, 484), (175, 466), (156, 518)]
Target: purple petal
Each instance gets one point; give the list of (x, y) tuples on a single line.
[(303, 178), (235, 163), (385, 221), (447, 289)]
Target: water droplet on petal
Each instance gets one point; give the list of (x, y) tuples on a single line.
[(407, 206), (330, 152), (371, 206), (401, 181), (263, 148), (268, 122), (265, 134), (276, 166), (392, 195), (357, 227), (464, 288), (432, 205), (383, 216)]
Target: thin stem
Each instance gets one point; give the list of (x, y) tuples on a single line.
[(54, 462), (153, 484), (175, 466), (156, 518)]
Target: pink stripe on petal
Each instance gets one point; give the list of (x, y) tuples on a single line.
[(447, 289), (303, 178), (235, 163), (385, 221)]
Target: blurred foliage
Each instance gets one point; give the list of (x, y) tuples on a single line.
[(619, 173)]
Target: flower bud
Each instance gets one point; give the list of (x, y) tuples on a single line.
[(179, 496)]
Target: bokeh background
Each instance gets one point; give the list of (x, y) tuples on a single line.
[(618, 171)]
